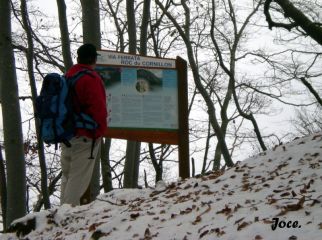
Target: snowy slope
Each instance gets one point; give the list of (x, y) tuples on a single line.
[(284, 183)]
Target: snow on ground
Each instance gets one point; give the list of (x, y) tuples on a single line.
[(243, 202)]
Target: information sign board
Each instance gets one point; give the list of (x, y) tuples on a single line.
[(147, 100), (142, 96)]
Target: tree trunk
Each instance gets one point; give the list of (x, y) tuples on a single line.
[(63, 26), (92, 34), (91, 22), (3, 190), (217, 158), (144, 27), (106, 166), (207, 146), (13, 140), (30, 57), (158, 166), (131, 167), (133, 148)]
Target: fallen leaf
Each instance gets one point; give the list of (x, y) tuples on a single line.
[(242, 225), (320, 225), (239, 220), (197, 220), (297, 206), (225, 210), (315, 154), (316, 136), (98, 234), (267, 221), (245, 187), (92, 228), (292, 237), (218, 232), (285, 194), (204, 233), (271, 201), (147, 233), (172, 195), (277, 191), (188, 210), (135, 215), (237, 207)]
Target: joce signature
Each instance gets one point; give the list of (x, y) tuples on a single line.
[(283, 224)]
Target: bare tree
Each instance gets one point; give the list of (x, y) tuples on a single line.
[(302, 58), (230, 43), (13, 141), (39, 57), (30, 63), (91, 34), (185, 35)]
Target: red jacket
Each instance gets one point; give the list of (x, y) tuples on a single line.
[(91, 98)]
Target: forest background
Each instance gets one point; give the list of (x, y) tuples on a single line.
[(254, 82)]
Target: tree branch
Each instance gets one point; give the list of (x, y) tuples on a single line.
[(312, 90), (314, 30)]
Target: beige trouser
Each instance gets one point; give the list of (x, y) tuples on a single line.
[(77, 168)]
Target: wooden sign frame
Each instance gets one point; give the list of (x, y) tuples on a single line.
[(178, 136)]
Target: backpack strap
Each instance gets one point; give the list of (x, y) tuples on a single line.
[(92, 149), (82, 120), (71, 81)]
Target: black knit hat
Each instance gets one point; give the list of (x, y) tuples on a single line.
[(87, 51)]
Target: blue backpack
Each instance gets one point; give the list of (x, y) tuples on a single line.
[(54, 105)]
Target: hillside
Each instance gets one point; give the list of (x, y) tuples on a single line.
[(240, 203)]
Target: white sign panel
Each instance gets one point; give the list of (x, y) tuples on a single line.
[(140, 97), (123, 59)]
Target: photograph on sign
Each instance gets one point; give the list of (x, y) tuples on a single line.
[(141, 98)]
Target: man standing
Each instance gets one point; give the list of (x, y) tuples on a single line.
[(89, 98)]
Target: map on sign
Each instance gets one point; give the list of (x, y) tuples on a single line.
[(140, 97)]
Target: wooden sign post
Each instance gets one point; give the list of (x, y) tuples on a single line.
[(147, 100), (183, 134)]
